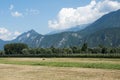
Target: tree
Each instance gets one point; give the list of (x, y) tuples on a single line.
[(1, 52), (67, 51), (25, 51), (96, 50), (113, 50), (14, 48), (104, 50), (84, 47), (74, 49), (54, 50)]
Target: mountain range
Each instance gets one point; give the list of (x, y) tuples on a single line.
[(73, 29), (104, 31)]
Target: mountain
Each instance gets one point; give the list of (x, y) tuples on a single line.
[(78, 28), (110, 20), (34, 39), (73, 29), (31, 37), (64, 39), (94, 34), (109, 37), (2, 43), (105, 31)]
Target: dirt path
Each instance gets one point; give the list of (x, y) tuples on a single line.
[(23, 72)]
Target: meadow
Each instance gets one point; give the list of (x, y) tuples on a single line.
[(59, 69)]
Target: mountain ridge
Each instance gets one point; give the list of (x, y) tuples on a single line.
[(106, 21), (73, 29)]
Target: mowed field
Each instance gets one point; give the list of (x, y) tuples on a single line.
[(59, 69)]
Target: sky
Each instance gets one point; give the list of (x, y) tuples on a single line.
[(44, 16)]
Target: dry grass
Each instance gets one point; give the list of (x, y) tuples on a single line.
[(24, 72), (29, 72)]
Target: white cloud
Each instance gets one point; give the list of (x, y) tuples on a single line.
[(11, 7), (5, 34), (16, 33), (69, 17), (16, 14), (3, 31), (32, 12)]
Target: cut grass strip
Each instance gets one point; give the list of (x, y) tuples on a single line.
[(97, 65), (81, 64)]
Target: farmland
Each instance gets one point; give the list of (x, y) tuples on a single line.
[(59, 69)]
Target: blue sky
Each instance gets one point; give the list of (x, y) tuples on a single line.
[(48, 9), (17, 16)]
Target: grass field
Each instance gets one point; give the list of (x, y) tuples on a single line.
[(101, 63), (59, 69)]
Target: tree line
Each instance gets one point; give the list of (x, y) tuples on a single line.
[(21, 48)]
